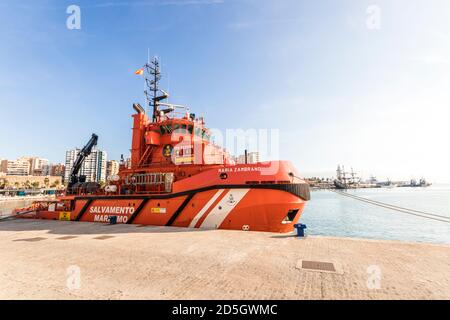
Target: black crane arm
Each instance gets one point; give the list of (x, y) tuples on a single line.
[(84, 153)]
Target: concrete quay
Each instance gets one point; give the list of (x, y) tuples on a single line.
[(43, 259)]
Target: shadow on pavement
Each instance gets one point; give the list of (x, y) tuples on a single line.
[(85, 228)]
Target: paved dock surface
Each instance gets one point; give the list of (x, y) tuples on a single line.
[(42, 260)]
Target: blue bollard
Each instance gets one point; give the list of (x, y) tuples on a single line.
[(112, 219), (300, 229)]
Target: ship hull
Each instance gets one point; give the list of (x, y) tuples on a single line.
[(248, 208)]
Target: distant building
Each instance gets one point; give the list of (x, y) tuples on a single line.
[(3, 166), (19, 167), (24, 166), (71, 156), (128, 163), (57, 170), (46, 170), (252, 158), (38, 166), (94, 166), (112, 168)]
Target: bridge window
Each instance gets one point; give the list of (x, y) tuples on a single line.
[(166, 129)]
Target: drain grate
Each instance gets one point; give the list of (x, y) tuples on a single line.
[(103, 237), (31, 239), (66, 238), (318, 265)]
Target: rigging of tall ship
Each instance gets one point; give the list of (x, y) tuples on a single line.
[(178, 177)]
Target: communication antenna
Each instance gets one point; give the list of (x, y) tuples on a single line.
[(152, 77), (153, 95)]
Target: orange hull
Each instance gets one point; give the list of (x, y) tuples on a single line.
[(248, 209), (249, 197)]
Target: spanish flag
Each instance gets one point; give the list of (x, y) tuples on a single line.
[(139, 72)]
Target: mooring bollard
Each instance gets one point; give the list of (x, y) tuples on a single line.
[(112, 219), (300, 229)]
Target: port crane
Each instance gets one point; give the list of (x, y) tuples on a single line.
[(75, 178)]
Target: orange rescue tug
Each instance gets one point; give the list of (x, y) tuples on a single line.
[(177, 177)]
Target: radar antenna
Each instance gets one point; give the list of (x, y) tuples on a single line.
[(152, 78)]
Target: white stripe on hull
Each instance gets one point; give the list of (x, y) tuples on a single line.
[(223, 208), (205, 208)]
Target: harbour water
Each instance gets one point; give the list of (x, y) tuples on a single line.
[(331, 214)]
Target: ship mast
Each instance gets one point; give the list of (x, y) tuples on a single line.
[(152, 78)]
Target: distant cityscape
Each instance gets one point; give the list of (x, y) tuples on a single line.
[(35, 172), (351, 180)]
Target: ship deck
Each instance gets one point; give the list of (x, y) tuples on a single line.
[(136, 262)]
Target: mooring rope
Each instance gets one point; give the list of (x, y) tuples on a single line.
[(398, 207), (16, 215), (413, 212)]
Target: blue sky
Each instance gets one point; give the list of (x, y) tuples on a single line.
[(338, 91)]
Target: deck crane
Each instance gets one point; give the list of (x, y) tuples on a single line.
[(75, 178)]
